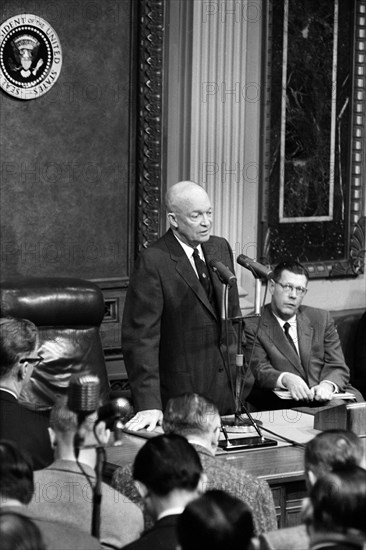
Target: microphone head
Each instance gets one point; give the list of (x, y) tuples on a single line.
[(117, 408), (223, 272), (84, 393), (259, 270)]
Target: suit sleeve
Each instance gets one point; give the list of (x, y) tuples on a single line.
[(141, 333), (257, 359)]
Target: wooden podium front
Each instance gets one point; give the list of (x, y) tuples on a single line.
[(343, 417)]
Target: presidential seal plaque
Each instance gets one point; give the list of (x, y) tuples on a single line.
[(30, 56)]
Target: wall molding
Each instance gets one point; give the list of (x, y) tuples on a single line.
[(149, 122)]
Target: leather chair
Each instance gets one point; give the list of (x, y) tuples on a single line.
[(68, 313), (351, 330)]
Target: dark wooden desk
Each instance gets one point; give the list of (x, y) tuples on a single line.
[(282, 467)]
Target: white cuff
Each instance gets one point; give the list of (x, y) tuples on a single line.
[(279, 383)]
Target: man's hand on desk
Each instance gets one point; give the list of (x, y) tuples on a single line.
[(148, 420), (297, 387), (323, 391)]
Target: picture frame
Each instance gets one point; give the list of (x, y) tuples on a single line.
[(313, 142)]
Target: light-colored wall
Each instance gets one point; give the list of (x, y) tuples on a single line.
[(213, 129)]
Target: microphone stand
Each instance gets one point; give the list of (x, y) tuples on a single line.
[(257, 296), (97, 489), (240, 424), (118, 429), (97, 492)]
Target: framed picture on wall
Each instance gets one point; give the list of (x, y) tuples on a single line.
[(313, 135)]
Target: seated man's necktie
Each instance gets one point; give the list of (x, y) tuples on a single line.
[(286, 328), (203, 274)]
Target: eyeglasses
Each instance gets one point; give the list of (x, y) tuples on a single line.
[(35, 360), (300, 290)]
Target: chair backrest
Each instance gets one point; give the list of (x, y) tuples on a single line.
[(351, 325), (68, 313)]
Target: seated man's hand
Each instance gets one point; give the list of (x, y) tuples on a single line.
[(323, 391), (148, 419), (297, 387)]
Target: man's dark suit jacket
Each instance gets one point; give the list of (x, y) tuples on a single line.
[(173, 339), (162, 536), (27, 429), (321, 357)]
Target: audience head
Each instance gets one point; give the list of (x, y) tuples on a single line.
[(329, 450), (167, 462), (288, 287), (167, 471), (18, 532), (338, 502), (216, 520), (190, 415), (16, 475), (65, 424), (18, 348), (189, 212)]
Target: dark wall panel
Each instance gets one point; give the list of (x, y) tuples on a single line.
[(65, 157)]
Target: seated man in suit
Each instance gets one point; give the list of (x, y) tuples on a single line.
[(18, 357), (17, 532), (168, 473), (336, 512), (327, 451), (296, 347), (121, 521), (16, 490), (198, 420)]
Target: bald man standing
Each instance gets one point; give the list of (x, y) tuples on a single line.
[(173, 336)]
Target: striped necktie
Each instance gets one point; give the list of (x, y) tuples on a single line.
[(203, 274)]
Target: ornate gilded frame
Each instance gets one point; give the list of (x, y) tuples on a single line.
[(149, 123), (351, 262)]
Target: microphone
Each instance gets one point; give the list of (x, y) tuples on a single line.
[(115, 409), (259, 271), (83, 393), (83, 399), (223, 272), (114, 413)]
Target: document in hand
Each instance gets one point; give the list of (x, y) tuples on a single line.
[(285, 394)]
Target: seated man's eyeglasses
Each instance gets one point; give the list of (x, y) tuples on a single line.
[(300, 290), (34, 360)]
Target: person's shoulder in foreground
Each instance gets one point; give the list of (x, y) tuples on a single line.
[(19, 344), (16, 490), (168, 474), (216, 520), (329, 450), (290, 538), (197, 418), (120, 520)]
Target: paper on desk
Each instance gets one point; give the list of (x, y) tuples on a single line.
[(285, 394), (145, 434)]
